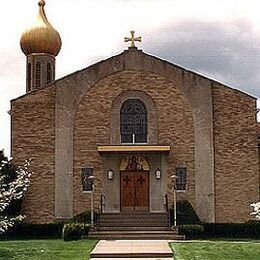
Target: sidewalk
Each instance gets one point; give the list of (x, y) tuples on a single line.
[(134, 249)]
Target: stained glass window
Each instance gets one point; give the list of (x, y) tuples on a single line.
[(133, 121)]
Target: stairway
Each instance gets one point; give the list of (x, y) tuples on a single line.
[(134, 225)]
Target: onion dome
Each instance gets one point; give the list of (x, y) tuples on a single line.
[(41, 37)]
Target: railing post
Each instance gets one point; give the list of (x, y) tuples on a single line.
[(167, 210)]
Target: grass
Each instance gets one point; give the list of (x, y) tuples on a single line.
[(57, 249), (216, 250), (45, 249)]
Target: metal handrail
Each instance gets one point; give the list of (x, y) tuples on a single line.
[(100, 210), (102, 203), (167, 210)]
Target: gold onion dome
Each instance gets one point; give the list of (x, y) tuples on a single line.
[(41, 37)]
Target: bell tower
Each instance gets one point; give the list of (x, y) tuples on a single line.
[(41, 43)]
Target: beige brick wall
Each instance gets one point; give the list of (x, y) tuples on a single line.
[(33, 137), (236, 154), (92, 127)]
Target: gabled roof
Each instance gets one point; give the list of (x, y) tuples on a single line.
[(132, 59)]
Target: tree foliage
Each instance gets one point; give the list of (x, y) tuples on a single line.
[(256, 211), (14, 181)]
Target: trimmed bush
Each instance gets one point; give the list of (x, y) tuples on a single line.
[(26, 230), (191, 231), (84, 217), (74, 231), (185, 213), (232, 230)]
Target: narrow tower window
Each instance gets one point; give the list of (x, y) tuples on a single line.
[(133, 125), (48, 73), (38, 75), (29, 77)]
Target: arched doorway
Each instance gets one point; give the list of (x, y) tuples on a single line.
[(134, 184)]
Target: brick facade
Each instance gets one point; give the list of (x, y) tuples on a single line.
[(236, 154), (184, 102), (33, 137)]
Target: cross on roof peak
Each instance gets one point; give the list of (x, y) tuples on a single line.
[(133, 39)]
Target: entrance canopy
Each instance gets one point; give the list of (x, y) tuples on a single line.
[(134, 148)]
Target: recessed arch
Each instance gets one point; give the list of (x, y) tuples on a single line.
[(197, 90)]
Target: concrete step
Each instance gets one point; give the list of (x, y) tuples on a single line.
[(132, 219), (116, 257), (150, 256), (134, 228), (136, 234), (126, 249), (133, 223), (135, 237), (134, 215)]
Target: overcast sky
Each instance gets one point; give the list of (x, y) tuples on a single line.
[(219, 39)]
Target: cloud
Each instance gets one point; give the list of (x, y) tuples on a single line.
[(10, 65), (228, 52)]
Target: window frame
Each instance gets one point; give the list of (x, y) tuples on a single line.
[(38, 75), (86, 172), (29, 77), (136, 121), (183, 171), (49, 77)]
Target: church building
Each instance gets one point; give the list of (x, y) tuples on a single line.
[(135, 128)]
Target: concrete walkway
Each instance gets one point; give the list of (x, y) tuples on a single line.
[(134, 249)]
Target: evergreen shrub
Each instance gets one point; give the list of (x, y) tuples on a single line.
[(185, 213), (74, 231), (249, 230), (84, 217), (191, 231), (26, 231)]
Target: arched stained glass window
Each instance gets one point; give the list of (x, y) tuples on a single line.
[(133, 121)]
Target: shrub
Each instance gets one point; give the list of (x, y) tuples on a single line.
[(232, 230), (84, 217), (191, 231), (185, 214), (74, 231), (26, 230)]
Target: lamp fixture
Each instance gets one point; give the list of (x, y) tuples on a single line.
[(158, 174), (110, 174)]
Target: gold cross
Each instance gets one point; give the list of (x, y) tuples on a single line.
[(132, 39)]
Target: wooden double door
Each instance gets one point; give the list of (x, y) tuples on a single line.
[(134, 189)]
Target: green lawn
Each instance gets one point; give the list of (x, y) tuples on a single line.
[(216, 250), (45, 249), (75, 250)]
